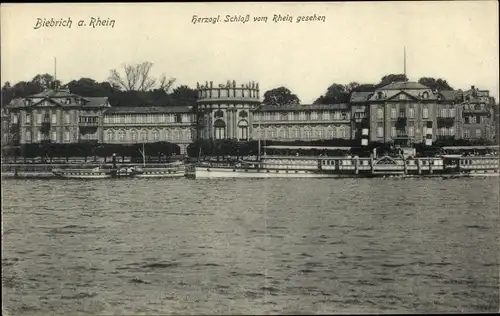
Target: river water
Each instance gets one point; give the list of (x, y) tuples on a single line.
[(272, 246)]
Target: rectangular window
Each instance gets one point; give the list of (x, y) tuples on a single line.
[(380, 131), (411, 131), (425, 113), (393, 113), (478, 132), (38, 136), (411, 113), (314, 115), (326, 115), (393, 131), (28, 118), (380, 113), (54, 136), (39, 118), (472, 120), (466, 133), (66, 136), (453, 112), (54, 118), (28, 136)]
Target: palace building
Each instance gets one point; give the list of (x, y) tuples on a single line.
[(406, 113), (223, 112), (400, 112), (149, 124), (302, 122), (57, 116)]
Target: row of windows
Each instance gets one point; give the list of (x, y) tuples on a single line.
[(144, 135), (475, 119), (67, 136), (477, 107), (220, 132), (467, 133), (412, 131), (302, 133), (302, 116), (228, 93), (411, 113), (148, 118)]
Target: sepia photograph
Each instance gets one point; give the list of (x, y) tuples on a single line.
[(252, 158)]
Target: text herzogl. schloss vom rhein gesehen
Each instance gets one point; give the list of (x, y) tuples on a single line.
[(247, 18)]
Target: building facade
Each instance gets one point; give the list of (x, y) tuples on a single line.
[(302, 122), (478, 115), (223, 112), (406, 113), (55, 116), (131, 125), (400, 112)]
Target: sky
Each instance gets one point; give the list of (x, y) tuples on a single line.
[(359, 41)]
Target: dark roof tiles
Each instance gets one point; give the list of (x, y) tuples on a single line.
[(302, 107), (148, 109)]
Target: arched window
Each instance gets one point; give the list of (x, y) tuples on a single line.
[(110, 135), (144, 135), (133, 135), (218, 113), (283, 133), (121, 135), (156, 135), (242, 129), (220, 129)]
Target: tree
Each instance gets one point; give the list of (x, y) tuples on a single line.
[(87, 87), (138, 78), (337, 93), (46, 81), (367, 87), (392, 78), (438, 84), (183, 95), (280, 97)]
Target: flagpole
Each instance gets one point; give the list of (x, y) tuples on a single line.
[(404, 60)]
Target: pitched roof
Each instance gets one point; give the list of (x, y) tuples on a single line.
[(49, 93), (302, 107), (360, 96), (408, 85), (450, 94), (147, 109)]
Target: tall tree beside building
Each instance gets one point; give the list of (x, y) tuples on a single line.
[(337, 93), (138, 77), (438, 84), (281, 96), (25, 88), (183, 95), (387, 79), (87, 87)]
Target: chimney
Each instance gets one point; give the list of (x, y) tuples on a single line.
[(472, 87)]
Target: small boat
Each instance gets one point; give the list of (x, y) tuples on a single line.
[(96, 173), (171, 170)]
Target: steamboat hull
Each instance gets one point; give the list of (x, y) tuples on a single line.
[(218, 173)]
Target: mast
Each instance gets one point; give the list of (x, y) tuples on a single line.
[(260, 133), (55, 73), (143, 155), (404, 60)]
